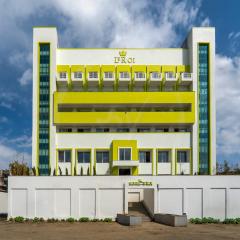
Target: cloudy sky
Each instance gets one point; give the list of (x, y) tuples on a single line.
[(113, 23)]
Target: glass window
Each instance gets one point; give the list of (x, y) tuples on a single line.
[(108, 74), (155, 75), (84, 130), (125, 154), (182, 157), (63, 75), (64, 156), (124, 74), (143, 129), (83, 156), (170, 74), (102, 129), (139, 74), (122, 129), (163, 156), (102, 157), (145, 156), (78, 75), (93, 74)]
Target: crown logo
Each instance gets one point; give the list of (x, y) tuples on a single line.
[(122, 53)]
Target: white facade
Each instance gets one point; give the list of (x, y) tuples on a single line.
[(71, 107)]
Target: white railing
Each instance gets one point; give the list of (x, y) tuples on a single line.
[(125, 163), (171, 76), (186, 76), (156, 76)]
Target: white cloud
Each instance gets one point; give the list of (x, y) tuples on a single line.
[(8, 155), (26, 77), (228, 99), (23, 141), (205, 22), (125, 23)]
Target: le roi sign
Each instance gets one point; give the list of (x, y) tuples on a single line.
[(123, 58)]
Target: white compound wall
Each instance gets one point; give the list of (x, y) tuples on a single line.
[(105, 196)]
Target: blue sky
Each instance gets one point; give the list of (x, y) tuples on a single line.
[(118, 23)]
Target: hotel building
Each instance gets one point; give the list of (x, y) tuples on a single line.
[(124, 111)]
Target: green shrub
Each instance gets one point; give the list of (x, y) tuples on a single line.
[(84, 219), (204, 220), (19, 219), (231, 221), (107, 220), (71, 220), (52, 220), (95, 220), (10, 219)]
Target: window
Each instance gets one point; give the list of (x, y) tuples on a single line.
[(125, 154), (145, 156), (63, 75), (108, 74), (124, 75), (122, 129), (155, 75), (139, 75), (83, 156), (78, 75), (182, 157), (170, 74), (102, 129), (143, 129), (64, 156), (84, 130), (93, 75), (162, 130), (65, 130), (102, 157), (163, 156)]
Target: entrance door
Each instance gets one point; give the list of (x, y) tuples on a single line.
[(124, 171)]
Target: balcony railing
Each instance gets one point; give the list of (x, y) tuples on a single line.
[(186, 76)]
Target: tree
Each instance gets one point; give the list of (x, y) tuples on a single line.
[(18, 169), (66, 170), (81, 171), (226, 168), (60, 171), (34, 171), (88, 172)]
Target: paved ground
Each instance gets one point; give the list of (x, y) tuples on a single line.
[(107, 231)]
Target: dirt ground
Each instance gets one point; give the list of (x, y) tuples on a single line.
[(107, 231)]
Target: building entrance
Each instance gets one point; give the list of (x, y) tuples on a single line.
[(124, 171)]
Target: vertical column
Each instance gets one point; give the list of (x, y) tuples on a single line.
[(125, 205), (203, 106), (44, 69), (43, 108)]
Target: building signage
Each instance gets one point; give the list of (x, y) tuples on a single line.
[(123, 59), (139, 182)]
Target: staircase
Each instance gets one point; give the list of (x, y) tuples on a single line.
[(138, 209)]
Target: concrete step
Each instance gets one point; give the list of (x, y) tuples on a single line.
[(138, 209)]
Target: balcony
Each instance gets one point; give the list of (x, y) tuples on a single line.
[(62, 79), (155, 80), (125, 163), (108, 79), (93, 79), (185, 79), (139, 79), (124, 79), (77, 79)]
